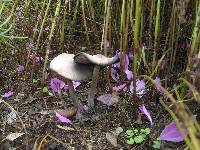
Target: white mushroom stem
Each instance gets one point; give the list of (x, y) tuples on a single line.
[(95, 78), (76, 102)]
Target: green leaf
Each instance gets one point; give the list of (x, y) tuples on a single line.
[(130, 141), (139, 139), (119, 130), (145, 131), (45, 89), (50, 94), (156, 144), (130, 133), (35, 80)]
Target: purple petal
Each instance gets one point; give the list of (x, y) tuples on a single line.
[(7, 94), (129, 74), (116, 65), (130, 55), (158, 84), (146, 112), (114, 74), (125, 61), (171, 133), (20, 68), (56, 83), (62, 118), (120, 88), (140, 87), (76, 84)]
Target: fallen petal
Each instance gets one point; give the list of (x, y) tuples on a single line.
[(129, 74), (63, 119), (140, 87), (20, 68), (146, 112), (172, 134), (76, 84), (56, 83), (8, 94)]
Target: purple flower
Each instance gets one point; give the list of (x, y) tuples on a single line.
[(7, 94), (130, 55), (120, 88), (34, 57), (63, 119), (158, 84), (56, 84), (129, 74), (30, 45), (146, 112), (125, 61), (76, 84), (140, 87), (20, 68), (114, 74), (172, 134)]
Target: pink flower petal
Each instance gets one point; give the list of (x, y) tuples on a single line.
[(63, 119), (172, 134), (20, 68), (146, 112), (7, 94)]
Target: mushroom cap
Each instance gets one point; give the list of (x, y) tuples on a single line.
[(101, 60), (65, 66)]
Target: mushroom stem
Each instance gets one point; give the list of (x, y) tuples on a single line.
[(76, 102), (92, 91)]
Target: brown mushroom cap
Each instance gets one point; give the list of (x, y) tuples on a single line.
[(101, 60), (65, 66)]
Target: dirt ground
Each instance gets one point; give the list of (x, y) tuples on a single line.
[(37, 117)]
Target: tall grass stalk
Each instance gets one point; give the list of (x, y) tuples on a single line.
[(84, 20), (53, 25), (122, 26), (156, 32), (106, 25), (195, 38), (136, 43), (188, 120), (42, 24), (62, 33)]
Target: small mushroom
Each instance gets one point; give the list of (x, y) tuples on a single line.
[(98, 61), (65, 66)]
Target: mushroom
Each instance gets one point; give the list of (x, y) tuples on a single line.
[(65, 66), (98, 61)]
